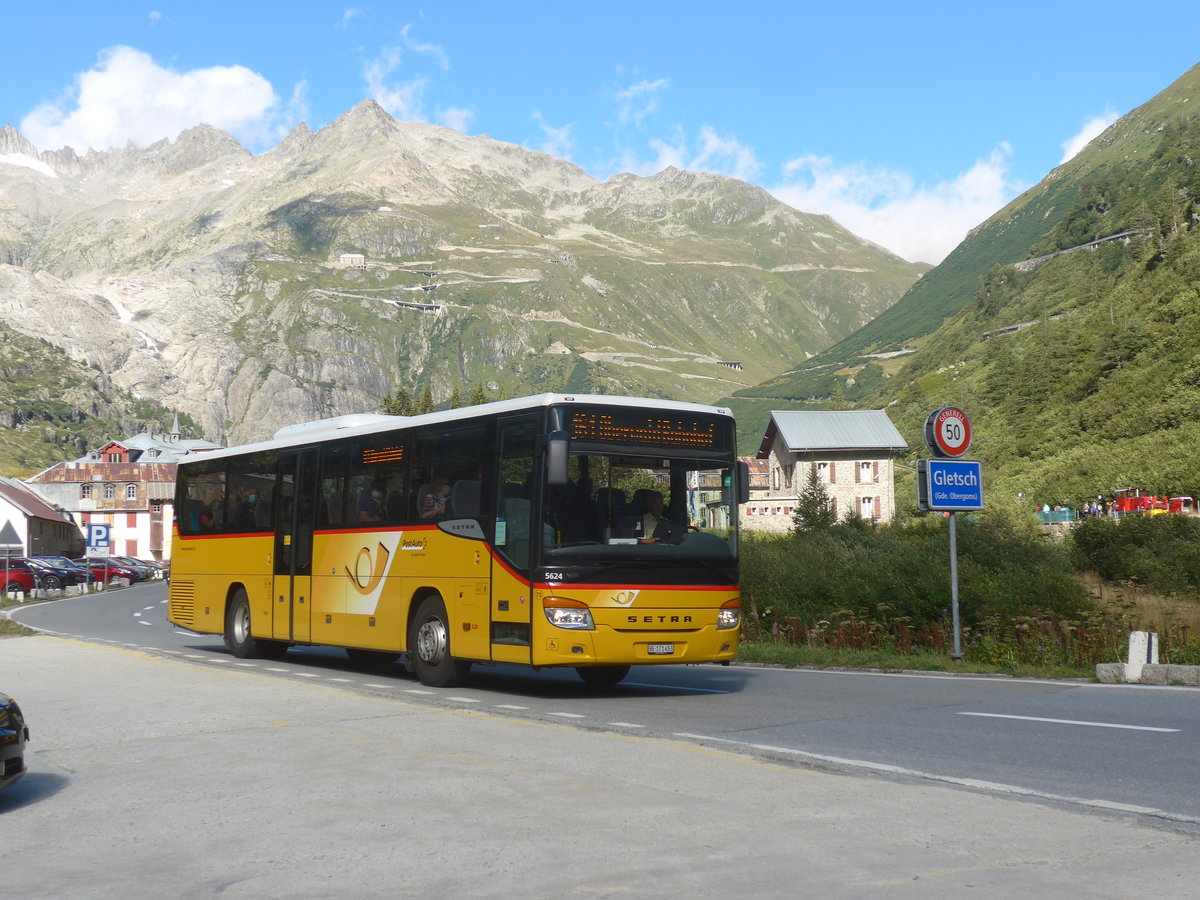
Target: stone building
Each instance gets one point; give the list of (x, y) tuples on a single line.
[(852, 453), (129, 485)]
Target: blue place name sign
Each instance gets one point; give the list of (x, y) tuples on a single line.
[(950, 485)]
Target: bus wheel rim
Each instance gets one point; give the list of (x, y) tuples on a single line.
[(432, 641), (241, 624)]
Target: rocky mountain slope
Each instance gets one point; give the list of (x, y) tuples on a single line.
[(213, 281)]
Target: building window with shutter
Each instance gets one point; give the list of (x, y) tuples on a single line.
[(823, 472), (867, 508)]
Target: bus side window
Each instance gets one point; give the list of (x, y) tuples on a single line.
[(333, 483)]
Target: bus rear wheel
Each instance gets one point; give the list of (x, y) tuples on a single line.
[(429, 646), (602, 676)]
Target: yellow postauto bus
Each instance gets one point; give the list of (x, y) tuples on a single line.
[(594, 532)]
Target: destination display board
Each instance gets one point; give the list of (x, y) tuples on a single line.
[(634, 427)]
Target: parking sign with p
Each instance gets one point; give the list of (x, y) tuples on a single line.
[(98, 539)]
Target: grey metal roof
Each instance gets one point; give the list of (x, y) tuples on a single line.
[(808, 430)]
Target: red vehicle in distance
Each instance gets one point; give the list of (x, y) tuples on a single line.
[(105, 570), (1134, 501)]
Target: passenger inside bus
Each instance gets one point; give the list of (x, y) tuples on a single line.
[(370, 503), (434, 503), (245, 512)]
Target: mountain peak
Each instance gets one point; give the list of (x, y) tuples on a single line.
[(12, 141)]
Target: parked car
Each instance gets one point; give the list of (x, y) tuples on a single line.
[(82, 574), (17, 575), (104, 569), (151, 569), (14, 735), (53, 576)]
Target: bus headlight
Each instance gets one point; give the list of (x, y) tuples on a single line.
[(565, 613), (730, 614)]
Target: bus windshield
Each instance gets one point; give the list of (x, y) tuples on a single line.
[(667, 510)]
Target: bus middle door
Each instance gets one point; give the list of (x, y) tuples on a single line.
[(295, 507)]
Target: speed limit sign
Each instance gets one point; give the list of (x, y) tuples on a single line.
[(948, 432)]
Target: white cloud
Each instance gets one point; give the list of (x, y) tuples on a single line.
[(350, 14), (921, 223), (559, 142), (434, 50), (129, 97), (405, 101), (1091, 129), (726, 156), (639, 101), (456, 117), (710, 152)]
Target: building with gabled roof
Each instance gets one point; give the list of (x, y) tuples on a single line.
[(851, 452), (128, 485), (40, 526)]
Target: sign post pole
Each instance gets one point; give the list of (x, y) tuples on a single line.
[(950, 484), (956, 654)]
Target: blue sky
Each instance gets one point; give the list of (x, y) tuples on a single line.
[(909, 123)]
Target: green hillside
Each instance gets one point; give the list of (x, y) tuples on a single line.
[(1080, 364), (1085, 189)]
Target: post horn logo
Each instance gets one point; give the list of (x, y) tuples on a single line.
[(625, 598), (372, 572)]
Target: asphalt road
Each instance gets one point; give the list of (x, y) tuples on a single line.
[(162, 767), (1130, 748)]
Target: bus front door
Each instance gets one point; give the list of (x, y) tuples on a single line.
[(295, 508), (512, 598)]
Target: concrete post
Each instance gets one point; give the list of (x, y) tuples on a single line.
[(1143, 651)]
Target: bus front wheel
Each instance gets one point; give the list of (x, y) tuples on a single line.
[(238, 638), (429, 646)]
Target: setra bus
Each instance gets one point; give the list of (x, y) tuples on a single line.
[(521, 531)]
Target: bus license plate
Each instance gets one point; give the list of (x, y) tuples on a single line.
[(660, 649)]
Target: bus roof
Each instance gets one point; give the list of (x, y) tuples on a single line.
[(371, 423)]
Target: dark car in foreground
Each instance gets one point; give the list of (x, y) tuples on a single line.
[(82, 574), (14, 735), (52, 575)]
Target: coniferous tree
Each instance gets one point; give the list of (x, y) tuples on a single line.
[(456, 400), (813, 509), (479, 395), (399, 403), (425, 403)]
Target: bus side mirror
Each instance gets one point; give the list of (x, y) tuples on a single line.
[(743, 482), (556, 458)]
